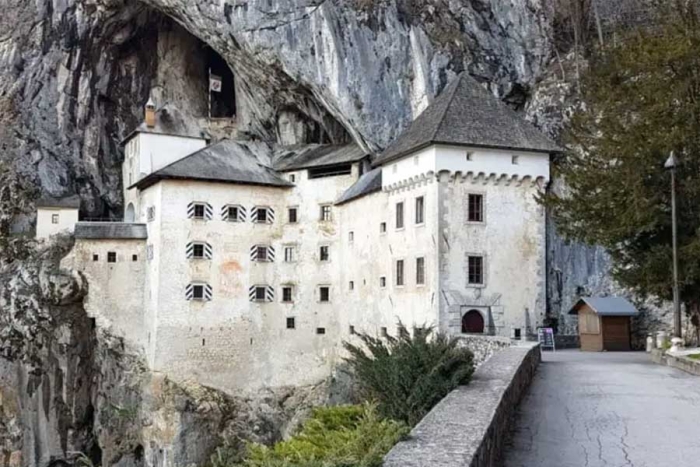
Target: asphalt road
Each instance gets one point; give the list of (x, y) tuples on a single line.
[(607, 409)]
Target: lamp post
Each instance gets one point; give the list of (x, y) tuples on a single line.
[(671, 164)]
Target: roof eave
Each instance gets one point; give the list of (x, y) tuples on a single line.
[(152, 180)]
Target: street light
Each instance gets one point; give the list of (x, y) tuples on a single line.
[(671, 164)]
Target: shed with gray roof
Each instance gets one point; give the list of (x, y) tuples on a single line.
[(604, 322), (466, 114)]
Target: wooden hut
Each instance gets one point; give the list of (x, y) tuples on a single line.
[(604, 323)]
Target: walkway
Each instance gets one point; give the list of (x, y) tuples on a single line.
[(607, 409)]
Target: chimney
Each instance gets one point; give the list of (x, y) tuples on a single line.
[(150, 113)]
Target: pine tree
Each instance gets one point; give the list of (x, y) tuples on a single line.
[(640, 100)]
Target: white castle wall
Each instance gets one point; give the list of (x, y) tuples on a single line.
[(67, 218)]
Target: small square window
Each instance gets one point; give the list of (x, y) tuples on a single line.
[(352, 330), (323, 253), (351, 285), (399, 272), (382, 227), (320, 330), (134, 257), (260, 294), (199, 211), (150, 213), (351, 236), (382, 281), (198, 251), (291, 323), (470, 156), (326, 212), (198, 292), (54, 218), (95, 257), (287, 294), (476, 208), (324, 294), (292, 214), (261, 215), (399, 215), (261, 253), (233, 214), (111, 257), (385, 332), (515, 160), (476, 270), (289, 254), (292, 178)]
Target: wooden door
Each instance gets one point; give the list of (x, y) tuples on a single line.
[(616, 333)]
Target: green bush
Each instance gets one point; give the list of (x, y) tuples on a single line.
[(344, 436), (408, 374)]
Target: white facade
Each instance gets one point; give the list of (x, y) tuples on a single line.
[(53, 220)]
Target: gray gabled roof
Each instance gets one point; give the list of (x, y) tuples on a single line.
[(316, 155), (466, 114), (369, 182), (71, 202), (170, 121), (606, 306), (226, 161), (110, 230)]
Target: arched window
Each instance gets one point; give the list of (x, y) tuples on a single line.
[(130, 215), (472, 322)]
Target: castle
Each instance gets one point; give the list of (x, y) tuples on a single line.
[(242, 265)]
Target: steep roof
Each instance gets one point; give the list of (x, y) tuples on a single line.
[(316, 155), (369, 182), (72, 202), (111, 230), (606, 306), (226, 161), (170, 121), (467, 114)]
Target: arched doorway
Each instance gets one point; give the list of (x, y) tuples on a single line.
[(130, 215), (472, 323)]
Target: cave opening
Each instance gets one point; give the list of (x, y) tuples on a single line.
[(221, 89)]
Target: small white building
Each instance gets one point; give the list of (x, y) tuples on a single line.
[(56, 215), (244, 265)]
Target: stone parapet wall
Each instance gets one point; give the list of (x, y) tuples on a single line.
[(483, 347), (681, 362), (469, 426)]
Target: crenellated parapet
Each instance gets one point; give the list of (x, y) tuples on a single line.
[(468, 177)]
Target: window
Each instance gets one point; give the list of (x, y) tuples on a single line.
[(260, 294), (351, 236), (287, 294), (420, 271), (233, 214), (320, 330), (111, 257), (395, 168), (198, 292), (198, 250), (382, 281), (291, 324), (261, 253), (399, 272), (150, 213), (326, 212), (385, 332), (149, 252), (54, 218), (476, 270), (515, 160), (323, 253), (470, 156), (420, 210), (292, 215), (199, 211), (134, 257), (351, 330), (292, 178), (382, 227), (324, 294), (261, 215), (399, 215), (95, 257), (351, 285), (416, 160), (289, 254), (476, 208)]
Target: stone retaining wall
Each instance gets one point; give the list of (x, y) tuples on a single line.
[(483, 346), (468, 427), (676, 361)]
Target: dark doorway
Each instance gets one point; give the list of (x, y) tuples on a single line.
[(223, 104), (472, 323)]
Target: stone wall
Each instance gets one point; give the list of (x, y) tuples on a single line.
[(682, 362), (467, 428), (483, 347)]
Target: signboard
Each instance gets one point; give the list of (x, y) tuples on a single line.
[(545, 336), (214, 83)]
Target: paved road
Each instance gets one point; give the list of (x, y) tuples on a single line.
[(607, 409)]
